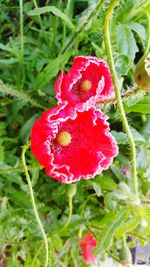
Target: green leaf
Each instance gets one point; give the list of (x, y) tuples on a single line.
[(105, 182), (26, 128), (55, 11), (57, 242), (137, 136), (97, 189), (52, 69), (127, 226), (9, 61), (109, 231), (142, 106), (120, 137), (139, 29), (6, 48), (126, 42), (117, 173), (1, 151), (147, 9), (122, 64)]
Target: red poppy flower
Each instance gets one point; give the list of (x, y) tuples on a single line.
[(72, 144), (88, 81), (88, 243)]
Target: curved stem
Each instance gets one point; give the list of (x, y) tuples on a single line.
[(67, 221), (69, 216), (25, 147), (107, 41)]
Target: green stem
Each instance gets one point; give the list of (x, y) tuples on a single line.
[(84, 25), (64, 26), (69, 216), (21, 56), (25, 147), (6, 89), (107, 41), (58, 231), (21, 32), (40, 22)]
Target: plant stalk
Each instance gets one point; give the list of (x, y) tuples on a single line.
[(25, 147), (117, 88)]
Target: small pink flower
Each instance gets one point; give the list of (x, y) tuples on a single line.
[(88, 81), (88, 243), (73, 144)]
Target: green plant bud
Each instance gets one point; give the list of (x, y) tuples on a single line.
[(142, 73), (71, 190), (125, 256)]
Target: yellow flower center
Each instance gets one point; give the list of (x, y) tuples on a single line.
[(86, 85), (64, 138)]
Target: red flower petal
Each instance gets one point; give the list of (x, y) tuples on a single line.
[(84, 148), (88, 242), (88, 81)]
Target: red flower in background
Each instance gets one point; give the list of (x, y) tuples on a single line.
[(72, 144), (88, 81), (88, 243)]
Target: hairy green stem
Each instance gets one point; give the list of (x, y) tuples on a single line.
[(107, 41), (83, 26), (25, 147), (6, 89)]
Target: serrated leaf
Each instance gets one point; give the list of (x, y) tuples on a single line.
[(126, 42), (55, 11), (52, 69)]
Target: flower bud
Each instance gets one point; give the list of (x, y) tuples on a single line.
[(71, 190), (142, 73), (125, 256)]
